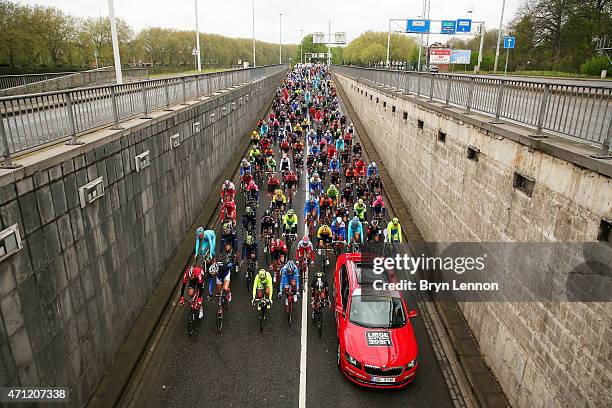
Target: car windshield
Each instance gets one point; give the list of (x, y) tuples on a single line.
[(377, 312)]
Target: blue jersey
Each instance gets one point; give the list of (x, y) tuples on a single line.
[(372, 170), (353, 228), (207, 243), (288, 272), (339, 229), (224, 270), (334, 164), (308, 207)]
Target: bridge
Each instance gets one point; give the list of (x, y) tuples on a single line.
[(103, 187)]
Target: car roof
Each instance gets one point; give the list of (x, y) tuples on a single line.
[(359, 291)]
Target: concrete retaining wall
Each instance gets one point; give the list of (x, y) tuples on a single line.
[(70, 296), (543, 354)]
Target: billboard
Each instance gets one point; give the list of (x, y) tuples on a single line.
[(448, 27), (460, 56), (318, 38), (339, 38), (439, 56), (464, 25), (417, 26)]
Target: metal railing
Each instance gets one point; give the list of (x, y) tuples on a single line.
[(12, 81), (579, 111), (91, 77), (30, 121)]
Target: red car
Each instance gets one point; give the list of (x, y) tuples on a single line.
[(376, 344)]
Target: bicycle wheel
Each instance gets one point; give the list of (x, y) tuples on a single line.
[(262, 316), (289, 310), (220, 317), (191, 322), (248, 283)]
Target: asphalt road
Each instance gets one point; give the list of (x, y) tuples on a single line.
[(242, 367)]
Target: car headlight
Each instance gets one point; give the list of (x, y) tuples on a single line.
[(351, 360), (411, 364)]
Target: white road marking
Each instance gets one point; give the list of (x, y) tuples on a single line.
[(304, 337)]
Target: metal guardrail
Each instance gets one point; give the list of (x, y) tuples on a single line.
[(12, 81), (30, 121), (579, 111), (91, 77)]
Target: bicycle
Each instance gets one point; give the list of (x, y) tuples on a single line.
[(318, 305), (311, 222), (262, 306), (289, 300), (290, 239), (194, 309), (304, 271), (221, 307), (324, 258), (338, 247), (250, 272)]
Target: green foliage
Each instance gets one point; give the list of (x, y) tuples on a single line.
[(36, 37), (371, 46), (595, 64)]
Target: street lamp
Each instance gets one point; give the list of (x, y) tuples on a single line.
[(499, 33), (254, 63), (116, 56), (197, 37), (280, 38), (301, 46)]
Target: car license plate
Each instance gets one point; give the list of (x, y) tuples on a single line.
[(383, 379)]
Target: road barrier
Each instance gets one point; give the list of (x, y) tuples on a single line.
[(35, 120), (578, 111)]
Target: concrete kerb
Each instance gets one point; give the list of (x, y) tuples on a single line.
[(110, 391), (484, 386)]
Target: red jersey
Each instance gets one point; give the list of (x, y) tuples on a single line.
[(197, 274)]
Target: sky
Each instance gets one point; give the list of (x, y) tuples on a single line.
[(233, 18)]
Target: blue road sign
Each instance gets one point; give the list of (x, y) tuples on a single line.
[(417, 26), (464, 25), (509, 42), (448, 27), (460, 56)]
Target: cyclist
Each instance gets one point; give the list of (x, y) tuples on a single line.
[(221, 273), (254, 137), (285, 146), (245, 179), (310, 161), (315, 184), (290, 221), (338, 228), (278, 201), (263, 130), (285, 164), (372, 170), (324, 234), (360, 210), (333, 193), (278, 250), (326, 204), (355, 226), (290, 272), (342, 212), (253, 191), (340, 144), (360, 167), (228, 212), (332, 151), (195, 277), (394, 231), (273, 183), (245, 166), (290, 180), (265, 143), (249, 219), (205, 242), (357, 149), (334, 164), (311, 204), (228, 191), (262, 287), (319, 281), (305, 250), (253, 153), (229, 236), (373, 231), (350, 174), (378, 207), (321, 169), (249, 248), (270, 164)]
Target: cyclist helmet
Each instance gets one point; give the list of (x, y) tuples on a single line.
[(319, 275), (262, 274), (373, 164), (214, 269), (252, 183), (305, 240), (268, 212), (338, 220), (245, 162), (355, 219), (360, 201), (311, 199), (200, 232), (284, 155), (227, 228), (379, 197), (226, 184), (190, 273), (249, 239), (248, 209), (291, 213), (375, 223), (342, 205), (395, 221), (332, 186)]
